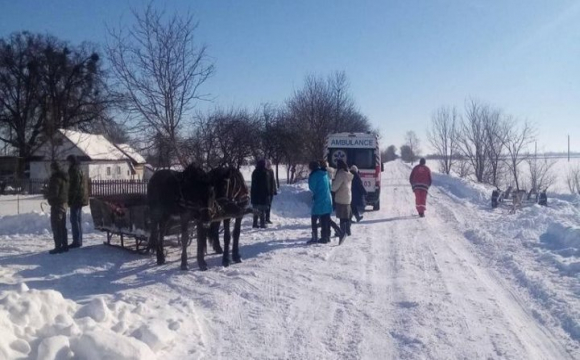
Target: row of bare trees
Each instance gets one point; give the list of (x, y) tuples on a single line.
[(154, 87), (488, 145)]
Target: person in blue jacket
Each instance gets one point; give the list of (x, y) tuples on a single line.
[(319, 185)]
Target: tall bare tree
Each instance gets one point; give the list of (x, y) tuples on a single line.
[(541, 172), (321, 107), (47, 84), (443, 136), (471, 138), (518, 138), (159, 68), (495, 129)]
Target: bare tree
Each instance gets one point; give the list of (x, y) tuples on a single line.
[(412, 141), (47, 84), (159, 70), (407, 154), (390, 154), (573, 179), (321, 107), (516, 143), (443, 136), (495, 135), (541, 175), (471, 139)]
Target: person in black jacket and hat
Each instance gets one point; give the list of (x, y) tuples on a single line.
[(358, 194), (260, 193)]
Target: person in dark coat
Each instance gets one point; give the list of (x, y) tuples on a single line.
[(319, 185), (260, 193), (77, 198), (57, 197), (359, 193), (420, 180), (273, 189)]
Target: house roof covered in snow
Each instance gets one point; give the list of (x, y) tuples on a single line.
[(130, 152), (97, 147)]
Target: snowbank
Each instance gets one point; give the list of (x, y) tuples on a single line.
[(42, 324)]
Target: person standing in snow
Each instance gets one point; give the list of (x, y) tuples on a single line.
[(57, 197), (78, 197), (331, 171), (260, 193), (420, 180), (319, 185), (358, 194), (273, 189), (341, 186)]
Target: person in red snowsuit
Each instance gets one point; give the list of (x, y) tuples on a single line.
[(420, 180)]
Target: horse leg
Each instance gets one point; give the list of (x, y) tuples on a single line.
[(201, 239), (236, 250), (214, 237), (227, 238), (153, 237), (184, 241), (159, 245)]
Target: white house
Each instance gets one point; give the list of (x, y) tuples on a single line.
[(99, 158)]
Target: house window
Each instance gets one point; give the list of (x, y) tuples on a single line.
[(118, 170), (108, 171), (128, 173)]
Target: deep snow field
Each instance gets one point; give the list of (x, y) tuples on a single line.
[(466, 282)]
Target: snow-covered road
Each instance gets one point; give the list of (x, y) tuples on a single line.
[(401, 287)]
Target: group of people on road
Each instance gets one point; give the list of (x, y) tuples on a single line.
[(341, 190), (64, 191)]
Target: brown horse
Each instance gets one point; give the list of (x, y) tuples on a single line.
[(184, 196), (232, 197)]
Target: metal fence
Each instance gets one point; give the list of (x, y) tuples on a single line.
[(96, 187), (116, 187)]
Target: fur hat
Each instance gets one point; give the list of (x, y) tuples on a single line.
[(354, 168)]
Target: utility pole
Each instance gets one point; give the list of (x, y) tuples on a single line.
[(568, 147)]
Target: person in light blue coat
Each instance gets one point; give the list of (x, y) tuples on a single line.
[(319, 185)]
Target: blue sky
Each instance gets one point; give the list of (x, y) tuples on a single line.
[(403, 58)]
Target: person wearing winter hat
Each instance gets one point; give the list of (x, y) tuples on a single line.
[(273, 189), (341, 186), (420, 180), (56, 196), (260, 193), (358, 194), (78, 196), (319, 185)]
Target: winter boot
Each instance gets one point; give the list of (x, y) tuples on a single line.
[(324, 240), (255, 223), (343, 231), (314, 239), (262, 220), (347, 226)]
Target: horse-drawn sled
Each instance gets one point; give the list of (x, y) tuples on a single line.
[(515, 199), (174, 200)]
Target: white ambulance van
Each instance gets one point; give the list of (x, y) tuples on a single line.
[(362, 150)]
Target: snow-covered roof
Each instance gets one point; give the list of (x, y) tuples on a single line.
[(130, 152), (97, 147)]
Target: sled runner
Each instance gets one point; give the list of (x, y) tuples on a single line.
[(126, 218)]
